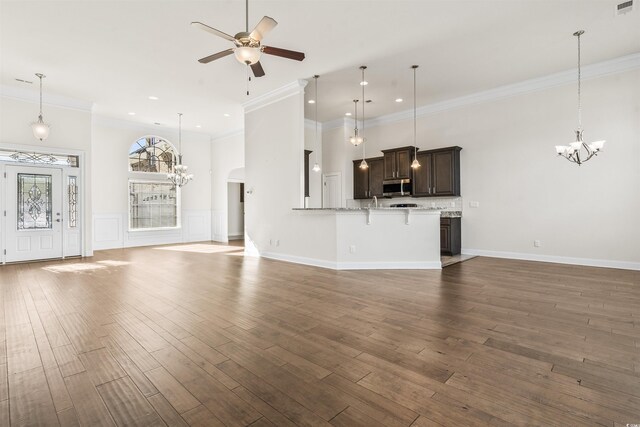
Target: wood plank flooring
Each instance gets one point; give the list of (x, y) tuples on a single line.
[(210, 338)]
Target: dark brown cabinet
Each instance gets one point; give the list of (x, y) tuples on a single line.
[(368, 182), (438, 174), (397, 163), (450, 236)]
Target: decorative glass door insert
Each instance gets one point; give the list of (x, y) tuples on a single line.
[(34, 202)]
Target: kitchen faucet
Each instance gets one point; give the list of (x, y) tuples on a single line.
[(375, 200)]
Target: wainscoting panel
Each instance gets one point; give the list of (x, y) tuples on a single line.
[(108, 231)]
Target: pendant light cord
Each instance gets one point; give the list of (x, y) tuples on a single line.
[(180, 134), (40, 76), (414, 111), (579, 33), (363, 102), (316, 113)]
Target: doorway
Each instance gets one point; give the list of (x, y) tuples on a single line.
[(235, 211), (40, 206)]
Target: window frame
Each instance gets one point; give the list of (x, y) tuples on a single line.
[(153, 181)]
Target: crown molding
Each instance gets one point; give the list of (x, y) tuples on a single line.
[(311, 124), (31, 96), (276, 95), (593, 71)]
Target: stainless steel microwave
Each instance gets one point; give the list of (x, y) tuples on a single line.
[(396, 187)]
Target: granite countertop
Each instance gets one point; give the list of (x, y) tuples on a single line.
[(443, 213)]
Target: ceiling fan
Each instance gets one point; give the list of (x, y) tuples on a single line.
[(248, 45)]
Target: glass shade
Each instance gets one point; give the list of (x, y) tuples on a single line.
[(415, 164), (597, 146), (40, 129), (356, 140), (561, 149), (247, 55), (316, 167), (363, 164), (575, 146)]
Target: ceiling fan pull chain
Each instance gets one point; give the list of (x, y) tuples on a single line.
[(248, 79)]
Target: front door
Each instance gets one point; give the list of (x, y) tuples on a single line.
[(33, 213)]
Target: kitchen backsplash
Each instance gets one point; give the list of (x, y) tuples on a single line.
[(442, 203)]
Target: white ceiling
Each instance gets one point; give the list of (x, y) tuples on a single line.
[(117, 53)]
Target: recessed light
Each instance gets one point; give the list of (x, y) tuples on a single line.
[(364, 83), (157, 123), (311, 101), (198, 126), (153, 98), (399, 99), (347, 114), (227, 115), (131, 113)]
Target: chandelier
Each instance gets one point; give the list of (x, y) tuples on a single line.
[(579, 151), (179, 177), (40, 128)]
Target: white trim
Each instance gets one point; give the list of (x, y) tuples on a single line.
[(276, 95), (311, 124), (333, 265), (624, 265), (33, 97)]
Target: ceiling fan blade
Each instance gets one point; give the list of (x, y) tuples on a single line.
[(265, 25), (289, 54), (257, 69), (215, 56), (213, 31)]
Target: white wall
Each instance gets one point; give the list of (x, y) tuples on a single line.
[(336, 157), (111, 142), (70, 130), (584, 215), (274, 157), (235, 211), (227, 161)]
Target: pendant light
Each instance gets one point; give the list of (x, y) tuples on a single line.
[(356, 139), (363, 83), (579, 151), (316, 166), (415, 164), (179, 177), (40, 128)]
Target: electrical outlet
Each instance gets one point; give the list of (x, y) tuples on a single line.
[(352, 249), (536, 243)]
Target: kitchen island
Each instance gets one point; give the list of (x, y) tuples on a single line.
[(368, 238)]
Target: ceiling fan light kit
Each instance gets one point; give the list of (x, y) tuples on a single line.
[(579, 152), (248, 45)]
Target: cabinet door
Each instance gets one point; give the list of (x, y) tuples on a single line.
[(360, 181), (403, 164), (390, 165), (422, 175), (443, 174), (376, 176), (445, 239)]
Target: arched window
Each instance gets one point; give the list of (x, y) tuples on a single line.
[(152, 154), (154, 202)]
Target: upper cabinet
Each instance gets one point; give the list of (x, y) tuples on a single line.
[(368, 182), (397, 163), (438, 174)]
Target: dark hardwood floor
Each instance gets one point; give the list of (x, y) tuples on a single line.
[(196, 337)]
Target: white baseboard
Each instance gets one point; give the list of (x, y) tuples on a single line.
[(624, 265), (238, 236), (353, 265)]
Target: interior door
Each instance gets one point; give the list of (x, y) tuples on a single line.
[(332, 194), (33, 213)]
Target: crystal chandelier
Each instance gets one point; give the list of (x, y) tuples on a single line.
[(363, 83), (40, 128), (316, 166), (356, 139), (179, 177), (579, 151), (415, 164)]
